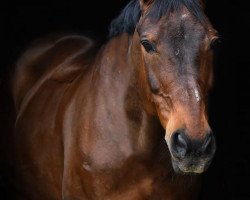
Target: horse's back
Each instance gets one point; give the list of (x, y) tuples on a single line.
[(56, 57)]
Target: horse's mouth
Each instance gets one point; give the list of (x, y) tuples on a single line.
[(189, 167)]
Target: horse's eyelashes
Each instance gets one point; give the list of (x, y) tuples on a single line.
[(149, 47)]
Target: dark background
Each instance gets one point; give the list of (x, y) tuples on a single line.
[(228, 177)]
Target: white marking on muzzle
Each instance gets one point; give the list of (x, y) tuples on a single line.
[(197, 95)]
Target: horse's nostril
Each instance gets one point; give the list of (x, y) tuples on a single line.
[(182, 146), (208, 144), (179, 144), (207, 141), (181, 141)]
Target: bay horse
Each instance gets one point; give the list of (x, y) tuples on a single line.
[(126, 121)]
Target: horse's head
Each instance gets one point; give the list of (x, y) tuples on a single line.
[(175, 38)]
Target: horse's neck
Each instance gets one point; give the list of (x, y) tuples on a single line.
[(117, 104), (142, 124)]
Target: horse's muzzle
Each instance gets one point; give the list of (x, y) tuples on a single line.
[(189, 155)]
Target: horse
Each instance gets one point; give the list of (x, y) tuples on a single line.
[(124, 120)]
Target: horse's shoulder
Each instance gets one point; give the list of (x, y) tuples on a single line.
[(55, 57)]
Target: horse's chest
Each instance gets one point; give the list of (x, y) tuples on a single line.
[(122, 173), (132, 180)]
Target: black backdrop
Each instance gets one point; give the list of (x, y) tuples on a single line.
[(228, 177)]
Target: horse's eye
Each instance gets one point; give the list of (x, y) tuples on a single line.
[(214, 44), (149, 47)]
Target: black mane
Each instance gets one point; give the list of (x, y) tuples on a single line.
[(130, 15)]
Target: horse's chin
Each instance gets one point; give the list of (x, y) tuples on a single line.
[(185, 168)]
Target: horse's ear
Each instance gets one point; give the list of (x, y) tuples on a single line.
[(144, 4)]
